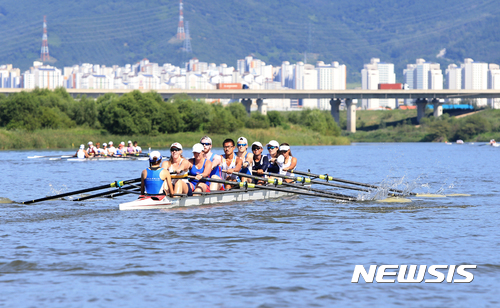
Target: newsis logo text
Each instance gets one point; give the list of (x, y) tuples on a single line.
[(388, 273)]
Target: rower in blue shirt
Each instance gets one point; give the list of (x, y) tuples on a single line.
[(154, 178)]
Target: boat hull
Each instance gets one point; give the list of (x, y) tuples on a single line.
[(237, 196)]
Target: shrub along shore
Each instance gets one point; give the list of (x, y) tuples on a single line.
[(44, 119)]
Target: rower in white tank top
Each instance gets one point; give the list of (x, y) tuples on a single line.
[(225, 167), (172, 170), (282, 164)]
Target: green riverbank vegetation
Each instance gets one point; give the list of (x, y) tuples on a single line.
[(44, 119)]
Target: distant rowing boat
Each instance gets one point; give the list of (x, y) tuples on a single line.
[(105, 158), (237, 195)]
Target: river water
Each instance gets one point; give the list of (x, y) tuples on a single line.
[(291, 252)]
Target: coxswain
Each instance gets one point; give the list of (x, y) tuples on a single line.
[(199, 167), (91, 151), (215, 159), (138, 149), (273, 147), (230, 163), (177, 164), (156, 180), (130, 148), (285, 160), (111, 149), (246, 158), (81, 153), (260, 162)]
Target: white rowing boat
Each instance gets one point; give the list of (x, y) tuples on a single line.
[(238, 195), (105, 158)]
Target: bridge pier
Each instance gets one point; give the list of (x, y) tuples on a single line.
[(438, 108), (335, 111), (351, 115), (262, 106), (247, 102), (421, 103)]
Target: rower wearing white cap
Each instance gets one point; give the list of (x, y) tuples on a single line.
[(177, 163), (199, 167), (285, 160), (111, 149), (130, 148), (273, 147), (81, 153), (215, 159), (156, 180), (104, 151), (260, 162), (245, 156), (91, 151), (121, 151)]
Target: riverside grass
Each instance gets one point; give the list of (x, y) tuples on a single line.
[(72, 138)]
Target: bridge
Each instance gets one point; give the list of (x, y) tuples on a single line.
[(422, 97)]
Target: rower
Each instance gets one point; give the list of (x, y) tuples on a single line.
[(246, 158), (199, 167), (130, 148), (138, 149), (81, 153), (230, 163), (98, 150), (91, 151), (260, 162), (177, 163), (273, 147), (285, 160), (111, 149), (104, 151), (215, 159), (156, 180), (121, 151)]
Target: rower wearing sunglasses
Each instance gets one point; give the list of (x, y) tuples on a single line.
[(215, 159), (177, 163), (260, 162), (245, 156), (285, 160), (273, 147)]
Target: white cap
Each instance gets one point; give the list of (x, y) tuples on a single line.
[(122, 143), (176, 145), (206, 137), (153, 155), (104, 144), (284, 148), (242, 139), (110, 143), (197, 148), (129, 142), (82, 146), (273, 143), (90, 142), (257, 143)]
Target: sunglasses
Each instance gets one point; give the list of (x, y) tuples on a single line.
[(175, 150), (271, 148), (242, 144), (256, 148), (206, 144)]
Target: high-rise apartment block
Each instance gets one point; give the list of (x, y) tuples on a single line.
[(373, 74)]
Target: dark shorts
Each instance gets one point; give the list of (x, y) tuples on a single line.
[(190, 190)]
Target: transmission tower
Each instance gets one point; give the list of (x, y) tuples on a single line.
[(187, 41), (44, 54), (181, 35)]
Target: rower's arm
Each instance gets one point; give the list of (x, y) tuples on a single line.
[(144, 174), (292, 165), (208, 169), (239, 163), (184, 166), (165, 175)]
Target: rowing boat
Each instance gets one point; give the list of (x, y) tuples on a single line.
[(105, 158), (237, 195)]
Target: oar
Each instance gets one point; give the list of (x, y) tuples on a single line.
[(114, 184), (251, 185), (280, 182), (326, 177), (300, 179), (48, 156)]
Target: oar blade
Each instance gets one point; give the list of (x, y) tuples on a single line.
[(430, 196), (394, 200)]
